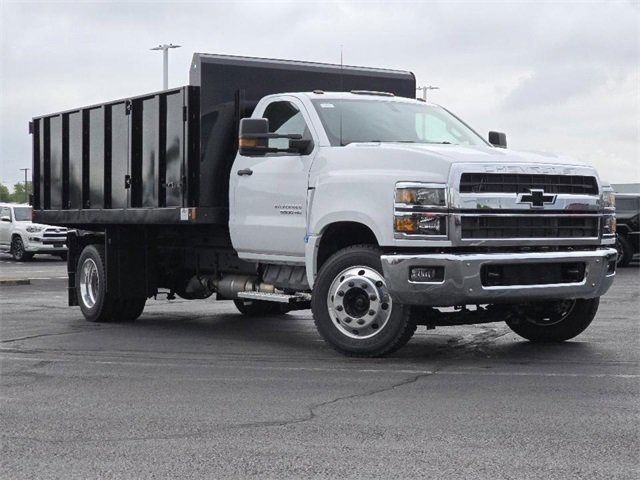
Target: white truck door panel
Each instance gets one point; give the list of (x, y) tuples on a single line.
[(269, 205)]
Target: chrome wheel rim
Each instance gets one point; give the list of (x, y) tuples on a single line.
[(89, 283), (549, 313), (359, 302)]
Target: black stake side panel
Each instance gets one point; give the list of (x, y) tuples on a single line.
[(142, 159), (120, 162), (231, 86)]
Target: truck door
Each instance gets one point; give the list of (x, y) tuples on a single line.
[(269, 193)]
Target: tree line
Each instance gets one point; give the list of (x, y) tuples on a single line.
[(18, 194)]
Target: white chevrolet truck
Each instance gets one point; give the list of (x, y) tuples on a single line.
[(379, 211)]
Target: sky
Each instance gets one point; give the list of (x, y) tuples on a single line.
[(561, 77)]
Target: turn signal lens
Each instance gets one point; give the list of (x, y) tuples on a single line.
[(406, 224), (421, 224), (245, 142)]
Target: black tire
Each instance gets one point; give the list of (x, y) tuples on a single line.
[(625, 251), (130, 309), (102, 307), (107, 308), (553, 321), (255, 308), (17, 250), (398, 329)]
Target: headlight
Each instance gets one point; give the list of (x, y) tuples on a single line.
[(420, 209), (34, 229), (609, 225), (421, 224), (424, 196), (608, 199)]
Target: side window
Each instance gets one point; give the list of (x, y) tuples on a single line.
[(5, 212), (285, 118)]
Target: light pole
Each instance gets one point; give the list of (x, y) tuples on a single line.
[(165, 62), (26, 185), (424, 91)]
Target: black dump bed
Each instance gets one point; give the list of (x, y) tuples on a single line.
[(145, 159)]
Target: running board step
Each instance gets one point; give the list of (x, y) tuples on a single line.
[(276, 297)]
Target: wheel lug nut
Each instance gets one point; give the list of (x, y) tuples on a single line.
[(372, 312), (339, 308), (347, 320), (384, 306), (360, 322), (372, 298), (340, 293), (364, 285), (378, 284), (351, 284)]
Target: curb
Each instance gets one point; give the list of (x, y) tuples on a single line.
[(11, 283)]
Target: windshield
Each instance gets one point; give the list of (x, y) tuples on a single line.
[(22, 214), (348, 121)]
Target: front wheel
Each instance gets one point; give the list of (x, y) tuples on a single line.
[(17, 250), (352, 307), (625, 251), (553, 321)]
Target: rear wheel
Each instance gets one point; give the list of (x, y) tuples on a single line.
[(554, 321), (353, 309), (129, 310), (625, 251), (18, 252), (96, 303), (254, 308)]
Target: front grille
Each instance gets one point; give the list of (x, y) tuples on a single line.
[(529, 226), (523, 183), (54, 236)]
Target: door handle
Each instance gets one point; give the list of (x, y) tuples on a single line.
[(245, 171)]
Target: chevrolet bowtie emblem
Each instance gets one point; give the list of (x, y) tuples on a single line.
[(536, 198)]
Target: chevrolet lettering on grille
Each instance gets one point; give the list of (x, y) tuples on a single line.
[(536, 198)]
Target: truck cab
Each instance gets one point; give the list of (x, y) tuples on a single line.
[(455, 220)]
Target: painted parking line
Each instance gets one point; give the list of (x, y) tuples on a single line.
[(208, 365)]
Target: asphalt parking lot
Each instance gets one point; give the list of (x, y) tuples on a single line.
[(195, 390)]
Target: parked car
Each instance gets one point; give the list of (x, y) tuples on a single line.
[(23, 239), (628, 237)]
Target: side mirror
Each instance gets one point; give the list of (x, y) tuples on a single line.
[(254, 139), (253, 136), (5, 218), (498, 139)]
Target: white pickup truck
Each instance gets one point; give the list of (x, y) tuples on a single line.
[(379, 212), (23, 239)]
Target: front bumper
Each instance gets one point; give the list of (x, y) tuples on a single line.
[(463, 284), (32, 246)]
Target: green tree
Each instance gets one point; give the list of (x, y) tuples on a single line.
[(5, 196), (18, 195)]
